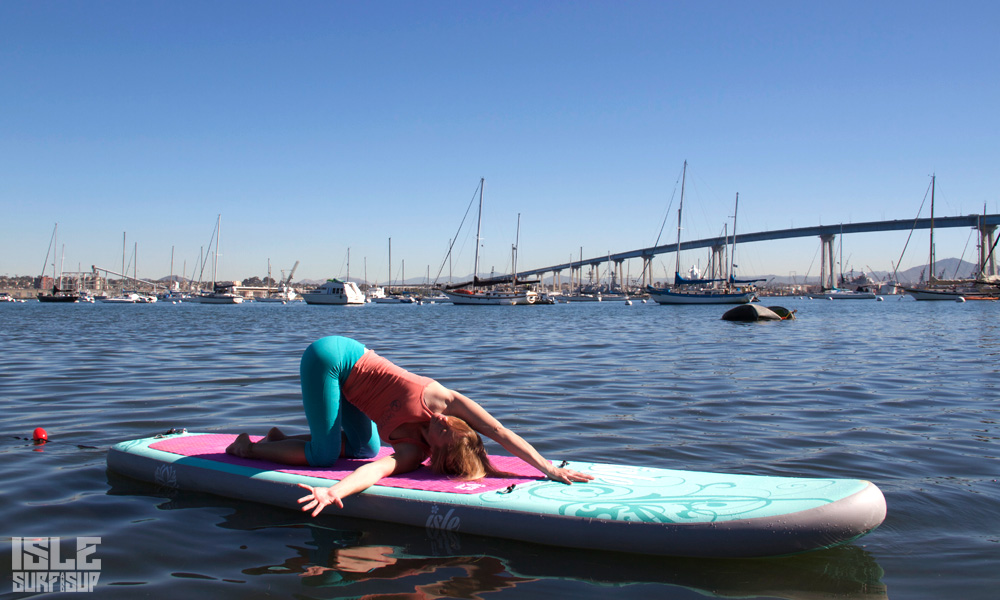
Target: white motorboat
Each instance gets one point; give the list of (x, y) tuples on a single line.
[(283, 295), (841, 294), (129, 298), (337, 292), (394, 299)]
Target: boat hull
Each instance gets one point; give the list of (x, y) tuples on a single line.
[(330, 300), (704, 297), (218, 299), (844, 295), (467, 298), (394, 300), (943, 295), (58, 298)]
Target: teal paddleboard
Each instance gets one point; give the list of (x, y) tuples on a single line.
[(626, 508)]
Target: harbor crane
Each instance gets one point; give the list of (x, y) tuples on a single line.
[(288, 281)]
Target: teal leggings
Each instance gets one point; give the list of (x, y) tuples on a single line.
[(334, 423)]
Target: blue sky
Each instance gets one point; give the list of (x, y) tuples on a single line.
[(314, 127)]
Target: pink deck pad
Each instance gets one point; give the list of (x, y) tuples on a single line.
[(212, 446)]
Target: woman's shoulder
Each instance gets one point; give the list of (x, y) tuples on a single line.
[(438, 398), (409, 454)]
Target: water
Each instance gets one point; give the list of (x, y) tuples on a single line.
[(899, 392)]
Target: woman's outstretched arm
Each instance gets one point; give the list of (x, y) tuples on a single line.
[(406, 458)]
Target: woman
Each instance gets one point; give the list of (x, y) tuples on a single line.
[(353, 396)]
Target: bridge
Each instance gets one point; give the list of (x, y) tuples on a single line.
[(985, 224)]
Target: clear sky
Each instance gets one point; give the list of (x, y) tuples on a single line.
[(318, 127)]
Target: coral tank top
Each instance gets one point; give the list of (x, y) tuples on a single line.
[(389, 395)]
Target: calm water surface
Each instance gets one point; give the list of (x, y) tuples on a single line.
[(899, 392)]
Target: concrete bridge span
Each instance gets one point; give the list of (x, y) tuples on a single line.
[(985, 224)]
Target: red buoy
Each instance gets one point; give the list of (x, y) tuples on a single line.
[(40, 436)]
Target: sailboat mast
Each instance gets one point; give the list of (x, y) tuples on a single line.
[(479, 231), (732, 253), (55, 252), (49, 251), (218, 238), (931, 276), (841, 261), (611, 274), (680, 207), (121, 289), (517, 241), (390, 264)]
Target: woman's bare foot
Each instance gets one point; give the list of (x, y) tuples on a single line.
[(241, 446), (274, 435)]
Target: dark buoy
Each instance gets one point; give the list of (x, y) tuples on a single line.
[(750, 312), (783, 312)]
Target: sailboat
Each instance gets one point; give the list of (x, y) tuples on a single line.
[(129, 296), (956, 291), (471, 294), (697, 293), (222, 293), (58, 294), (581, 294), (393, 297), (173, 295)]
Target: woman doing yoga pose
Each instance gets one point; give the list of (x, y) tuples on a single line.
[(352, 397)]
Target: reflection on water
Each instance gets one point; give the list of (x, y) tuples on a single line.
[(327, 566)]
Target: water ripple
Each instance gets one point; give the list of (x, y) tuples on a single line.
[(902, 393)]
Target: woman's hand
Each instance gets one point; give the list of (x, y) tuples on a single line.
[(564, 475), (319, 498)]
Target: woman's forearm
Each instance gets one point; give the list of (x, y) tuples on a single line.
[(364, 477), (520, 448)]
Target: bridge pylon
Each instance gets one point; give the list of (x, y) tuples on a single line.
[(826, 276), (987, 241), (717, 266)]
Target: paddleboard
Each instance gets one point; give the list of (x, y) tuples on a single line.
[(626, 508)]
